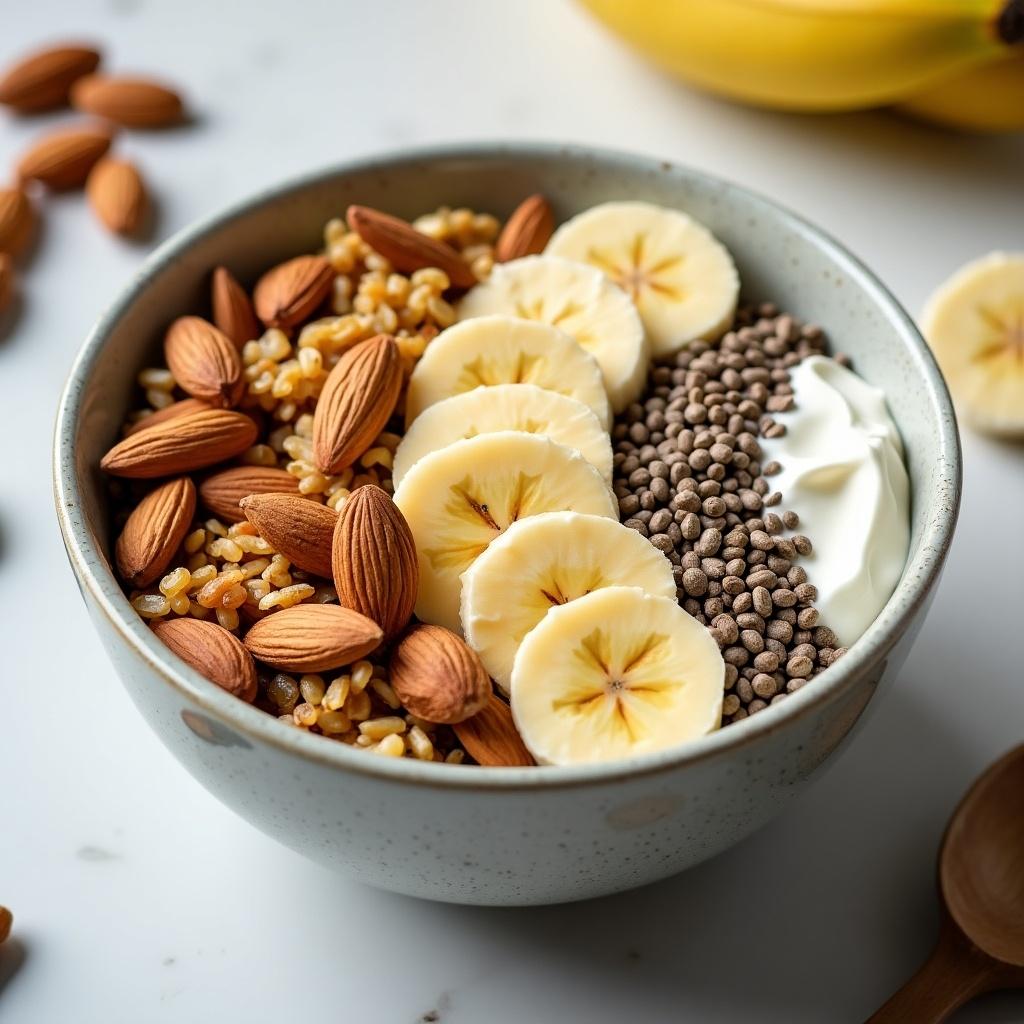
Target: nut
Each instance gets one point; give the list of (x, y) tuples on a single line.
[(42, 80), (116, 192), (154, 531), (17, 219), (63, 159), (232, 308), (204, 361), (221, 492), (312, 638), (527, 230), (291, 291), (491, 738), (300, 529), (213, 652), (134, 102)]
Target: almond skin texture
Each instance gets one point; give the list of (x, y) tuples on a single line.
[(204, 361), (181, 444), (527, 230), (300, 529), (221, 492), (437, 676), (232, 309), (213, 652), (491, 738), (312, 638), (43, 80), (374, 562), (63, 159), (154, 531), (356, 402), (288, 293), (133, 102), (117, 194), (17, 220), (168, 412), (6, 280), (406, 248)]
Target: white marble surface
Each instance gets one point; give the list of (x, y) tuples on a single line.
[(138, 898)]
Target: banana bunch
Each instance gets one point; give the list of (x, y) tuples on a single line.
[(954, 62)]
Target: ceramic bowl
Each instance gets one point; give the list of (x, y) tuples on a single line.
[(504, 835)]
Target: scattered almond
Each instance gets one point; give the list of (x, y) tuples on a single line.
[(221, 492), (6, 280), (312, 638), (17, 219), (491, 738), (291, 291), (204, 361), (134, 102), (527, 230), (154, 531), (356, 402), (64, 158), (117, 194), (437, 676), (374, 560), (168, 412), (300, 529), (213, 652), (406, 248), (181, 444), (6, 920), (43, 79), (232, 308)]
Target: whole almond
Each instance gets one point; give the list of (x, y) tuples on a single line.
[(356, 402), (63, 159), (221, 492), (134, 102), (6, 280), (491, 738), (154, 531), (527, 230), (405, 248), (182, 444), (17, 219), (437, 676), (288, 293), (204, 361), (232, 308), (43, 79), (300, 529), (312, 638), (374, 560), (117, 194), (168, 412), (213, 652)]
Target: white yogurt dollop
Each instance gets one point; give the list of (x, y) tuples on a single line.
[(843, 474)]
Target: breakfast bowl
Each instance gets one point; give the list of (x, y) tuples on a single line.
[(504, 835)]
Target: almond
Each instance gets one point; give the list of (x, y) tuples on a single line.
[(154, 531), (42, 80), (17, 219), (491, 738), (213, 652), (405, 248), (300, 529), (168, 412), (374, 560), (232, 308), (221, 492), (6, 280), (116, 192), (437, 676), (134, 102), (527, 230), (312, 638), (288, 293), (63, 159), (204, 361), (356, 402), (181, 444)]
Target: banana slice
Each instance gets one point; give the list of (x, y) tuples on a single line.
[(682, 279), (975, 326), (524, 407), (545, 561), (615, 674), (458, 499), (495, 350), (579, 300)]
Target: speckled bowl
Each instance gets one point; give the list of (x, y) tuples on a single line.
[(505, 835)]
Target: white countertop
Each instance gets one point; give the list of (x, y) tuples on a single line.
[(139, 898)]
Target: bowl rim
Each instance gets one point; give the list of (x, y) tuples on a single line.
[(101, 588)]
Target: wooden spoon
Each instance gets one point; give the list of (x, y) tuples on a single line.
[(981, 886)]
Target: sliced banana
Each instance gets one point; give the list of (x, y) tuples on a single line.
[(975, 326), (579, 300), (546, 561), (524, 407), (682, 279), (615, 674), (505, 350), (459, 499)]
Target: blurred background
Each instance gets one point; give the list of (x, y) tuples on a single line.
[(136, 896)]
